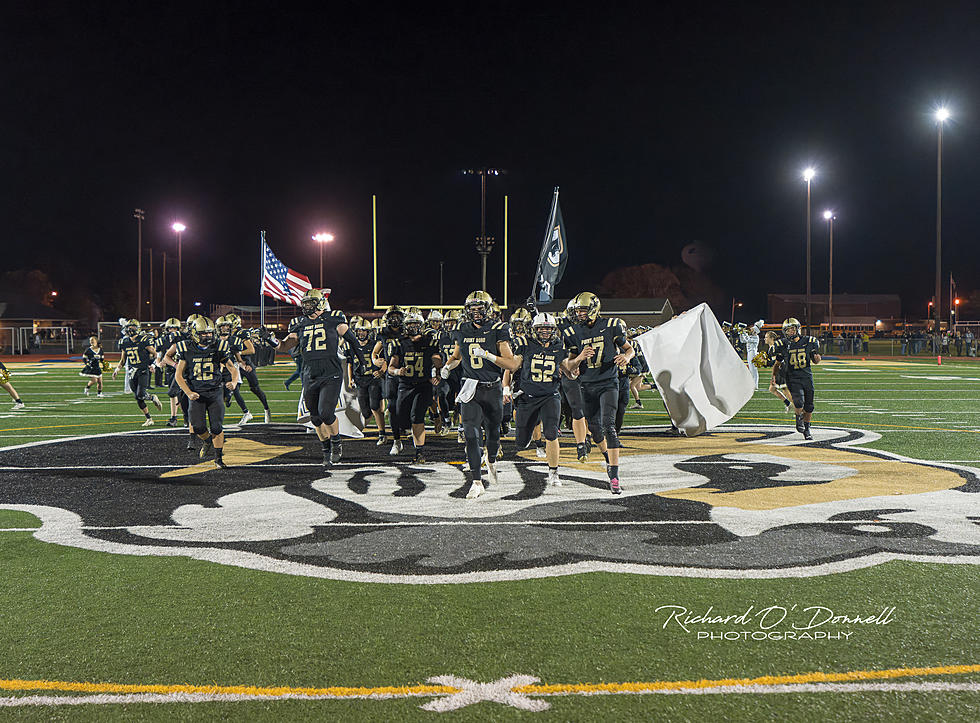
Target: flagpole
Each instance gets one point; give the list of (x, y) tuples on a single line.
[(505, 252), (261, 277), (547, 233), (374, 228)]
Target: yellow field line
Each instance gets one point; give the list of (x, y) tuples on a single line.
[(334, 691), (422, 690)]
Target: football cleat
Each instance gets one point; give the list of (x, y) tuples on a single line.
[(540, 452), (190, 444), (246, 418), (476, 489), (491, 474), (789, 407), (18, 405), (172, 422), (807, 434), (460, 437), (336, 451), (100, 395), (382, 440), (419, 457), (327, 459), (268, 417), (147, 423), (636, 405), (85, 391), (206, 447), (504, 429), (553, 479), (156, 401), (396, 447), (799, 423), (219, 459), (583, 452), (615, 487)]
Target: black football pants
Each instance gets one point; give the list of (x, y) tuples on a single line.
[(485, 410)]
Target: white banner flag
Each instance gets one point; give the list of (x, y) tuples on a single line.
[(700, 377), (348, 412)]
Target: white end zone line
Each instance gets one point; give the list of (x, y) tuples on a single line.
[(452, 701)]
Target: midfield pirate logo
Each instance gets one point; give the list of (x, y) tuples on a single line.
[(740, 502)]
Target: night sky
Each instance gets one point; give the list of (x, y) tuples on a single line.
[(662, 126)]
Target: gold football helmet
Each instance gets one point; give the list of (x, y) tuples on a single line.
[(362, 329), (791, 327), (190, 321), (224, 325), (586, 307), (314, 301), (478, 306), (4, 375), (394, 317), (413, 323), (235, 319), (376, 323), (202, 330), (132, 327), (520, 320), (172, 324)]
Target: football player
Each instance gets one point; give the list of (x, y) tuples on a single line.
[(9, 388), (367, 381), (171, 335), (412, 360), (638, 369), (796, 354), (519, 325), (392, 328), (540, 358), (441, 404), (137, 353), (247, 366), (200, 360), (571, 391), (599, 347), (318, 334), (171, 362), (479, 344), (92, 358)]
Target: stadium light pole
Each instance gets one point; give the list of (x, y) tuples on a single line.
[(139, 215), (829, 217), (321, 239), (942, 115), (179, 228), (808, 174), (734, 304), (484, 243)]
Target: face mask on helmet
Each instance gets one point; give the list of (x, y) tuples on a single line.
[(544, 332), (477, 312), (205, 337), (362, 334)]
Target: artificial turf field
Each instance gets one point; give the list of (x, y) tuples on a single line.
[(83, 631)]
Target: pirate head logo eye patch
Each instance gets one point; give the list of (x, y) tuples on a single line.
[(742, 501)]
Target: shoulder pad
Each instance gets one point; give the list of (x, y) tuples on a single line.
[(497, 325)]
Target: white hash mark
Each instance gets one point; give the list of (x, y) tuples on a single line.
[(470, 692)]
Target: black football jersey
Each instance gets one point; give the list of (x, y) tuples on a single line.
[(204, 364), (469, 336), (540, 367), (796, 357), (366, 348), (605, 336), (517, 344), (134, 351), (415, 359), (319, 342)]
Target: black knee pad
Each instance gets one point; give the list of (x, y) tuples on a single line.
[(216, 429), (473, 434), (596, 432), (612, 438), (550, 434), (329, 419), (315, 419), (808, 408), (200, 430)]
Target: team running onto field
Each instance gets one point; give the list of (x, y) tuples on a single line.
[(472, 369)]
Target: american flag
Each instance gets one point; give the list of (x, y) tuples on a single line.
[(281, 282)]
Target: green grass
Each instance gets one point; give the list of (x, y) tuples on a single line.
[(76, 615)]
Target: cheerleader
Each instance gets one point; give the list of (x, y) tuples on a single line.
[(5, 383), (93, 358)]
